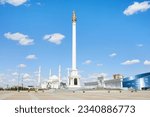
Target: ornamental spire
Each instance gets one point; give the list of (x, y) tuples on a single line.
[(74, 18)]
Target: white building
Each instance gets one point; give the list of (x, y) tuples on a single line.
[(44, 85), (106, 84), (53, 82), (113, 84)]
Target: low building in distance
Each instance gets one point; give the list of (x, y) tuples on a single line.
[(137, 82)]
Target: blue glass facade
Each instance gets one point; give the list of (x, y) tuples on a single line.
[(138, 82)]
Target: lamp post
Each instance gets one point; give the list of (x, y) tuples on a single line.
[(19, 75)]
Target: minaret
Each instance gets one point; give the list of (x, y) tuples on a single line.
[(68, 76), (68, 72), (39, 77), (50, 73), (74, 80), (59, 73)]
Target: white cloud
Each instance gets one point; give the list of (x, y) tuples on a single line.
[(15, 74), (31, 57), (113, 55), (99, 65), (87, 62), (21, 38), (140, 45), (137, 7), (22, 65), (27, 5), (2, 77), (1, 80), (38, 3), (13, 2), (12, 80), (27, 79), (146, 62), (130, 62), (26, 76), (55, 38), (96, 75)]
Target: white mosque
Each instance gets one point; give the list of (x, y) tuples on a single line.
[(54, 80)]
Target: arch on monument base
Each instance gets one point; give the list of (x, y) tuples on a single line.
[(75, 81)]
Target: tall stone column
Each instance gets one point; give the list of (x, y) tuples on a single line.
[(74, 80), (74, 41)]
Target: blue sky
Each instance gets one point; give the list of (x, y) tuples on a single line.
[(112, 37)]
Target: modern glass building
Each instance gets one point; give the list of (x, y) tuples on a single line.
[(138, 82)]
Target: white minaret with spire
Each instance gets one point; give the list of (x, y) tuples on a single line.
[(39, 77), (59, 73), (50, 73), (68, 72), (74, 80)]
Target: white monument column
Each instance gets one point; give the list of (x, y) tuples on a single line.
[(73, 41), (74, 80)]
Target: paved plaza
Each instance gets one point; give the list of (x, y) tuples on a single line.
[(75, 95)]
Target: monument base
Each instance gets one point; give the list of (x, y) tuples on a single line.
[(74, 87)]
